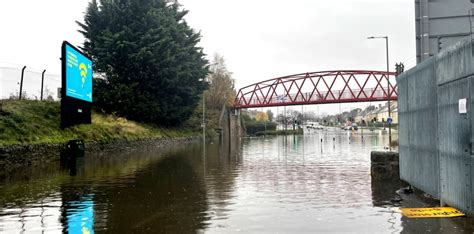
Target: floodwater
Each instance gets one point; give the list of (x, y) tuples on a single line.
[(319, 182)]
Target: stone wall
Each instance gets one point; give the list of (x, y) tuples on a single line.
[(26, 155), (384, 166)]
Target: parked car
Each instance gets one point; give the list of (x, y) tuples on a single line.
[(314, 125), (351, 127), (354, 126)]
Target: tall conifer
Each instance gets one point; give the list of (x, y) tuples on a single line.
[(147, 59)]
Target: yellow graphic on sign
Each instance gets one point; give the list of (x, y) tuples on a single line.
[(432, 212), (83, 70)]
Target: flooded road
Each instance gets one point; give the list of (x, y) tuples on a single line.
[(319, 182)]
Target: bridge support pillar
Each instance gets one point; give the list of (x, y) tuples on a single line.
[(231, 125)]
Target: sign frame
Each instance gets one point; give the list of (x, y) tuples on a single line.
[(74, 111)]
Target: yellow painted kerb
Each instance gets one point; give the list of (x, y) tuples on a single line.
[(432, 212)]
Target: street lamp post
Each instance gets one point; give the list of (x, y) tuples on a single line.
[(203, 124), (204, 116), (388, 87)]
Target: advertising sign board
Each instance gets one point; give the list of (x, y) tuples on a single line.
[(78, 74), (76, 91)]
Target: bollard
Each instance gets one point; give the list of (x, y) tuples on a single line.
[(72, 157), (75, 149)]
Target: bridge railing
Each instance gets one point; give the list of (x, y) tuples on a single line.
[(319, 87), (369, 94)]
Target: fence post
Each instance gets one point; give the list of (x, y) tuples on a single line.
[(21, 82), (42, 82)]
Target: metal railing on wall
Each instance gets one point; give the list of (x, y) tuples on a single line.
[(24, 82)]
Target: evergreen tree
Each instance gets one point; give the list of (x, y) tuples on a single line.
[(147, 56)]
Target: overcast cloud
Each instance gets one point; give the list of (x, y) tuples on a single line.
[(260, 39), (270, 38)]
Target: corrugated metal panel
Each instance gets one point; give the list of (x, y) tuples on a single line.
[(471, 154), (424, 131), (454, 151), (455, 63), (436, 154), (403, 129), (418, 129)]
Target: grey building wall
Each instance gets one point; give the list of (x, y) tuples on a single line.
[(444, 21), (436, 140)]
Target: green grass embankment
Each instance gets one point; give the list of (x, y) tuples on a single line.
[(36, 122)]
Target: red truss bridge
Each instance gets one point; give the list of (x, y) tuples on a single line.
[(319, 88)]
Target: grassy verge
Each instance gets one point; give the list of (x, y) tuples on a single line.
[(36, 122)]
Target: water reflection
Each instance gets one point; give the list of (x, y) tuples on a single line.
[(149, 190), (300, 180), (169, 197), (72, 165), (318, 182), (78, 215)]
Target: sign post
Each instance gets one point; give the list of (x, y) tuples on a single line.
[(76, 91)]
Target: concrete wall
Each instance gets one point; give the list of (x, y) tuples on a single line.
[(231, 125), (384, 166), (435, 139)]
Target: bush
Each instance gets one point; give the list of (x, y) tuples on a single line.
[(254, 127)]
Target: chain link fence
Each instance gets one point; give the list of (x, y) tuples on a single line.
[(35, 84)]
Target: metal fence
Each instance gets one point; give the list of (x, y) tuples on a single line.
[(23, 82)]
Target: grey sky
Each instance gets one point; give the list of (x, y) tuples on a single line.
[(259, 39), (32, 31), (270, 38)]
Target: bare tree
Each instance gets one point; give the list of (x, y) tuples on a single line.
[(221, 89)]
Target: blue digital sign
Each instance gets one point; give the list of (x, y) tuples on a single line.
[(78, 75)]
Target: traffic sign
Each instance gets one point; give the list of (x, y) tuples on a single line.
[(389, 120)]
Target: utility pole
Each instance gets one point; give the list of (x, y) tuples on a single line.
[(203, 124), (388, 96), (204, 117)]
